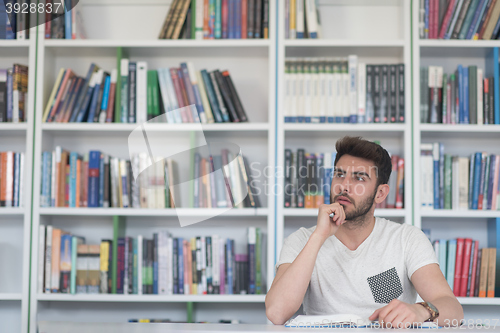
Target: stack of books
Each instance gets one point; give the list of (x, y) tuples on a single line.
[(13, 94), (462, 97), (216, 19), (302, 19), (456, 182), (14, 20), (97, 179), (11, 179), (144, 94), (308, 179), (469, 270), (62, 22), (459, 19), (341, 90), (161, 265)]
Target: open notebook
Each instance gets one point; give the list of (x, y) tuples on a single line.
[(340, 320)]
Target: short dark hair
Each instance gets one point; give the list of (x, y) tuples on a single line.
[(358, 147)]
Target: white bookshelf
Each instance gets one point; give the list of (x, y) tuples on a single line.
[(15, 222), (459, 140), (378, 33), (252, 67)]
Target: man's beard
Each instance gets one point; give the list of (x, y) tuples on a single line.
[(357, 217)]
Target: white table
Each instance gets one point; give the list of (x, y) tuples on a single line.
[(69, 327)]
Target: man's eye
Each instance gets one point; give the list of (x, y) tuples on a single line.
[(338, 175), (361, 179)]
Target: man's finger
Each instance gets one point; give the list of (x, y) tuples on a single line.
[(375, 314)]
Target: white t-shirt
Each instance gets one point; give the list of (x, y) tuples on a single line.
[(368, 278)]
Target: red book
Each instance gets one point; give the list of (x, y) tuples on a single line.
[(224, 18), (474, 269), (465, 267), (244, 17), (85, 180), (206, 17), (400, 183), (458, 266), (111, 101), (447, 18)]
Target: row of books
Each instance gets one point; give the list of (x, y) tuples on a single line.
[(97, 179), (11, 179), (62, 22), (456, 182), (143, 95), (216, 19), (13, 94), (342, 90), (302, 19), (462, 97), (469, 270), (459, 19), (308, 179), (161, 265), (14, 23)]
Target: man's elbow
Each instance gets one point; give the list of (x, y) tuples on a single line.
[(275, 315)]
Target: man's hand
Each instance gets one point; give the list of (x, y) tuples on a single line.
[(327, 226), (398, 314)]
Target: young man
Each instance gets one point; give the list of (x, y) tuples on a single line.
[(357, 263)]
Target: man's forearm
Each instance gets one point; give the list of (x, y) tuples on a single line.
[(451, 312), (287, 292)]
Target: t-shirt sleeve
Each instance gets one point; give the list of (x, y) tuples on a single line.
[(419, 251), (292, 246)]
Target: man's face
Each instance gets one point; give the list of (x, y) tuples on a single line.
[(354, 185)]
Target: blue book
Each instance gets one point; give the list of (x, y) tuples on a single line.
[(229, 264), (120, 265), (212, 98), (465, 71), (426, 20), (218, 21), (10, 32), (95, 96), (15, 196), (476, 19), (237, 19), (327, 182), (477, 180), (101, 180), (468, 18), (435, 158), (46, 179), (105, 96), (82, 94), (10, 90), (181, 265), (494, 242), (93, 187), (73, 158), (443, 247), (230, 19), (196, 91), (175, 266), (450, 267), (67, 20), (496, 90)]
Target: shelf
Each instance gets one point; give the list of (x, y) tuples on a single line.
[(14, 43), (342, 43), (458, 43), (10, 296), (445, 213), (8, 129), (153, 298), (479, 300), (153, 212), (158, 43), (460, 128), (314, 212), (119, 127), (386, 130), (11, 211)]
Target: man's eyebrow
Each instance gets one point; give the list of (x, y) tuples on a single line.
[(360, 173), (356, 173)]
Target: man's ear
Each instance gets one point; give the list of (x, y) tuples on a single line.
[(382, 193)]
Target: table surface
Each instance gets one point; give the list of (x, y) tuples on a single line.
[(73, 327)]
